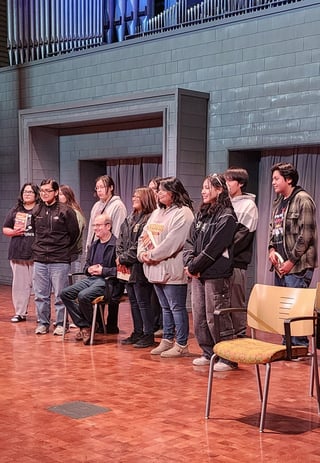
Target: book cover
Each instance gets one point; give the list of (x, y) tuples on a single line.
[(123, 272), (280, 261), (148, 240), (21, 221)]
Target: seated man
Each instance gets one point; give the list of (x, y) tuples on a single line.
[(100, 264)]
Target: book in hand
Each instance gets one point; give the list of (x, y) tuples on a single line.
[(280, 261), (148, 241), (123, 272), (21, 221)]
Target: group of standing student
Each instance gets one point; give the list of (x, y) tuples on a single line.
[(160, 245)]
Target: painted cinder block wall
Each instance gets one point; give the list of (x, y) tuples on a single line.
[(261, 71)]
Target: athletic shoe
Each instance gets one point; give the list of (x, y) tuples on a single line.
[(18, 318), (42, 329), (201, 361)]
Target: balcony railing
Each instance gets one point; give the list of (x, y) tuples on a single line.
[(38, 29), (179, 15)]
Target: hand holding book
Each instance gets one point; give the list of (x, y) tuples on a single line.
[(279, 263), (20, 223)]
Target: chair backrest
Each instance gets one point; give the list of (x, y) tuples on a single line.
[(317, 300), (269, 306)]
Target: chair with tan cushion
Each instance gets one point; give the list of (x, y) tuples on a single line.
[(274, 310)]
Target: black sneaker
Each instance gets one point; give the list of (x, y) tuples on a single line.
[(18, 319), (147, 340), (132, 339)]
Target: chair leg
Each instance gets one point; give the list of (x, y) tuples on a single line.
[(65, 317), (209, 389), (93, 326), (259, 382), (314, 374), (101, 308), (265, 396)]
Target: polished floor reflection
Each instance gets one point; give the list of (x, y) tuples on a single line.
[(66, 402)]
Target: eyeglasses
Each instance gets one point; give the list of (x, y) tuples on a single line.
[(216, 177), (46, 191), (97, 225), (29, 192)]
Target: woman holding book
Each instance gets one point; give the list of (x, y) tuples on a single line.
[(160, 249), (18, 227), (139, 290)]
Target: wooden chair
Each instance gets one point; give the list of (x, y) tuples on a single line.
[(276, 310), (98, 304)]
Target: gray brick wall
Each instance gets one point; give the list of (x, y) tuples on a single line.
[(262, 74)]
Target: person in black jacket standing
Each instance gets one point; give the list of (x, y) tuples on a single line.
[(100, 263), (208, 258), (138, 287), (56, 234)]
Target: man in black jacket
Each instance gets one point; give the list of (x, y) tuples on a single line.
[(56, 234), (101, 263)]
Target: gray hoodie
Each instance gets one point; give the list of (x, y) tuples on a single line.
[(168, 229)]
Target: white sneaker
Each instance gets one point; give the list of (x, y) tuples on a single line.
[(201, 361), (222, 366), (58, 331), (164, 345), (42, 329)]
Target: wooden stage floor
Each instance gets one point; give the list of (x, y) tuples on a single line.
[(66, 402)]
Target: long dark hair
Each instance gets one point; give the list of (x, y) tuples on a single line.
[(148, 200), (70, 197), (222, 201), (34, 188), (180, 196)]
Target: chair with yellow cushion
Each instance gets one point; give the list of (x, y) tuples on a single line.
[(276, 310)]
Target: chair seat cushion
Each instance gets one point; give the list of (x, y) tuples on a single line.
[(97, 300), (254, 351)]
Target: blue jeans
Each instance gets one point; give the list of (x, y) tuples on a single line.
[(296, 280), (85, 291), (172, 299), (141, 310), (48, 277)]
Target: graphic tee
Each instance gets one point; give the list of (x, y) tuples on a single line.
[(278, 227)]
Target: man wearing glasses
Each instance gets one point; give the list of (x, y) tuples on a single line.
[(111, 204), (101, 263), (56, 233)]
